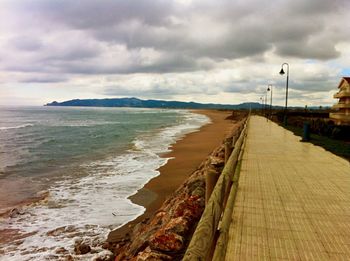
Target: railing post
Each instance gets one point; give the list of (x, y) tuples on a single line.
[(228, 148), (211, 177), (202, 240)]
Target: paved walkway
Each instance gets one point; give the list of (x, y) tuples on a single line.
[(293, 201)]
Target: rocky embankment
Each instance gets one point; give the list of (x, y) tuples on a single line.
[(166, 235)]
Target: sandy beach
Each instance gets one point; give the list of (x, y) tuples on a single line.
[(186, 155)]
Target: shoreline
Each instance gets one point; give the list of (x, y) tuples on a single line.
[(184, 158)]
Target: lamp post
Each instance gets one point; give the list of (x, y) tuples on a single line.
[(286, 105), (269, 89), (266, 105), (262, 105)]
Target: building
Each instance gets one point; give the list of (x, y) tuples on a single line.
[(341, 116)]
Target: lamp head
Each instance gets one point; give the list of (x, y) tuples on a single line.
[(268, 89), (282, 71)]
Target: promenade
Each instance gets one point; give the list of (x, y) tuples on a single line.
[(293, 199)]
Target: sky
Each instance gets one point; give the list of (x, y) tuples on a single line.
[(219, 51)]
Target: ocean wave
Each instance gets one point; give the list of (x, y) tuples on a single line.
[(17, 127), (89, 207), (85, 123), (161, 142)]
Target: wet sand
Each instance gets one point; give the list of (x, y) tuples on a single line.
[(186, 156)]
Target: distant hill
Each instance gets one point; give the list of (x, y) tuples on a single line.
[(138, 103)]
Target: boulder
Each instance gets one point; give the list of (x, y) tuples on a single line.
[(81, 248), (179, 225), (191, 208), (61, 250), (217, 162), (199, 191), (15, 212), (149, 255), (195, 184), (69, 258), (164, 236), (104, 256), (158, 219), (166, 241)]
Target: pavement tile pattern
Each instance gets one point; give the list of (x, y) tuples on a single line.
[(293, 200)]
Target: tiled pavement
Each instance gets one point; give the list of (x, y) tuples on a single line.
[(293, 201)]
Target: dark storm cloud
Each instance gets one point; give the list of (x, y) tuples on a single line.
[(317, 84), (253, 27), (80, 37), (92, 14), (171, 63), (43, 79), (314, 7), (71, 54), (156, 89), (162, 89), (26, 43), (322, 51)]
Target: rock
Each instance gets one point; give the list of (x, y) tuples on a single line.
[(137, 230), (15, 212), (165, 235), (104, 256), (217, 162), (149, 255), (81, 248), (78, 240), (111, 246), (18, 242), (179, 225), (221, 154), (141, 242), (94, 250), (191, 208), (56, 231), (106, 245), (69, 258), (166, 241), (200, 192), (51, 257), (61, 250), (196, 183), (145, 220), (121, 256), (158, 219)]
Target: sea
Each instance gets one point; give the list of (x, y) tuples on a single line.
[(66, 173)]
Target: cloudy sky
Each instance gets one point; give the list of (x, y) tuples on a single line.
[(220, 51)]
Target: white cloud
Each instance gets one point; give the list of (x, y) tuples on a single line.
[(208, 51)]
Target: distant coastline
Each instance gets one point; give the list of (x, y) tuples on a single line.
[(163, 104), (139, 103)]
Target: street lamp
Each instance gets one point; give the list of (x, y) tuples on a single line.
[(262, 105), (269, 89), (266, 105), (285, 107)]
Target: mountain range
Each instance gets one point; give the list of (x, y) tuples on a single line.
[(138, 103)]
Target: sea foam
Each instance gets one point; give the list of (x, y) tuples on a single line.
[(90, 207), (17, 127)]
